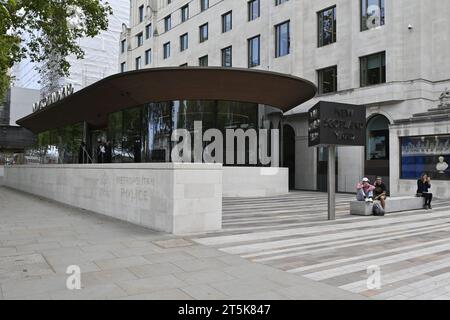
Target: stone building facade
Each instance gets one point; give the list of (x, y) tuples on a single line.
[(391, 56)]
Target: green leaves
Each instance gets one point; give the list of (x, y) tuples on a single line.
[(47, 30)]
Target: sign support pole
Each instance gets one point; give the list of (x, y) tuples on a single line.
[(331, 182)]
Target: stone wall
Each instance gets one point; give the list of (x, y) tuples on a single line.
[(175, 198)]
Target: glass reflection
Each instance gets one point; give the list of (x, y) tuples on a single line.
[(58, 146), (143, 133)]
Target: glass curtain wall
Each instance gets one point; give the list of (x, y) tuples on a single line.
[(143, 134), (58, 146)]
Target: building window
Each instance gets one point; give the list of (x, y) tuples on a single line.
[(425, 154), (141, 13), (148, 31), (204, 4), (184, 42), (377, 138), (227, 57), (253, 10), (123, 67), (138, 63), (373, 69), (148, 56), (139, 39), (123, 45), (185, 13), (204, 32), (184, 65), (277, 2), (372, 14), (327, 80), (166, 49), (282, 39), (254, 51), (227, 22), (168, 23), (327, 26), (203, 61)]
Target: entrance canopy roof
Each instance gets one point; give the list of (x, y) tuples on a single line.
[(125, 90)]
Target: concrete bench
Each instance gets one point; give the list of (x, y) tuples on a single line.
[(394, 204)]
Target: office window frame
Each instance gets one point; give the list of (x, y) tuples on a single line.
[(278, 39), (320, 78), (140, 39), (138, 63), (201, 35), (223, 56), (364, 6), (148, 31), (123, 45), (184, 13), (167, 23), (203, 58), (225, 26), (141, 13), (123, 67), (250, 51), (148, 56), (204, 5), (364, 72), (278, 2), (184, 42), (166, 50), (250, 8), (320, 27)]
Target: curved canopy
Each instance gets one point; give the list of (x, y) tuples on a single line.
[(124, 90)]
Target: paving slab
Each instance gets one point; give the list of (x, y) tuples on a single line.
[(39, 239)]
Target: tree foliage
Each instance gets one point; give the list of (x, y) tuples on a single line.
[(45, 29)]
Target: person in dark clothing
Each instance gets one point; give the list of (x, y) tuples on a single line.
[(379, 193), (137, 149), (101, 152), (423, 184), (82, 153), (108, 149)]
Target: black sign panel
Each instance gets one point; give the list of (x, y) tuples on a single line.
[(332, 123)]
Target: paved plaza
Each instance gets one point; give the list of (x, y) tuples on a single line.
[(39, 239), (290, 233), (270, 248)]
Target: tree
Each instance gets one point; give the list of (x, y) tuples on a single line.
[(45, 29)]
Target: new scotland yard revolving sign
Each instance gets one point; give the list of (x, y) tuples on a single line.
[(334, 124), (338, 124)]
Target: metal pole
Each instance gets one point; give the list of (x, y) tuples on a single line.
[(332, 182)]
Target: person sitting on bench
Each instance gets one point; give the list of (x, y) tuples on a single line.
[(379, 193), (364, 191), (423, 184)]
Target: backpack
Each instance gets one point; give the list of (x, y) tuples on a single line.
[(378, 210)]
